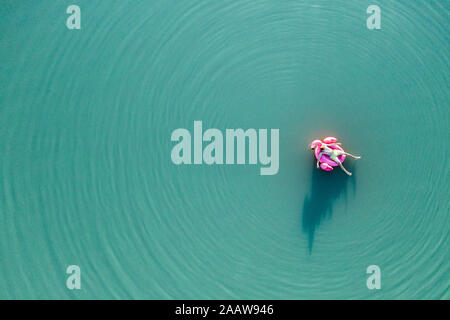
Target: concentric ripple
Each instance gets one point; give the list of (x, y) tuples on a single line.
[(86, 117)]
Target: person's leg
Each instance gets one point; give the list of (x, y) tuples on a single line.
[(349, 154), (335, 158), (342, 167)]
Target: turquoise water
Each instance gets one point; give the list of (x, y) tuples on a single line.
[(87, 179)]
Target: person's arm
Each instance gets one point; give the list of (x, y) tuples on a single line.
[(320, 156)]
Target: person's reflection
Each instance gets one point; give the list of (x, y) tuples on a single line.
[(326, 188)]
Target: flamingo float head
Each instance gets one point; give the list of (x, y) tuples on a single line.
[(315, 143)]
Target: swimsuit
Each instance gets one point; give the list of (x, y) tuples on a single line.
[(333, 153)]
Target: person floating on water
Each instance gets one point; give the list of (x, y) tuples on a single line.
[(329, 154)]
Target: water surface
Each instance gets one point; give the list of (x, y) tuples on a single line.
[(86, 177)]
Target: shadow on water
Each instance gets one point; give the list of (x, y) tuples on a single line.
[(326, 188)]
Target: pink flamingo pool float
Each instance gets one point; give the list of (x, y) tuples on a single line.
[(326, 163)]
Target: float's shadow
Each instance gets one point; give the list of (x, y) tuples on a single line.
[(326, 188)]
